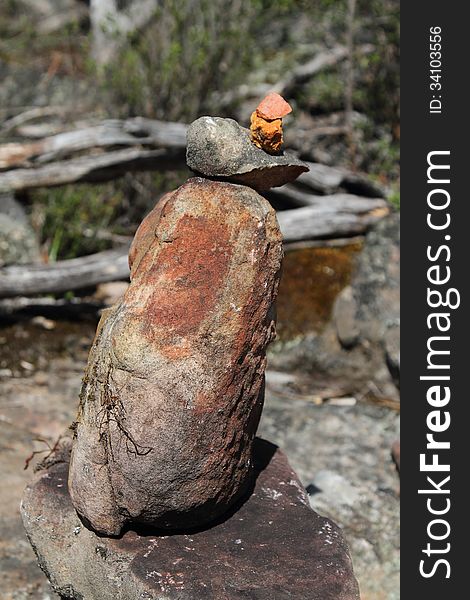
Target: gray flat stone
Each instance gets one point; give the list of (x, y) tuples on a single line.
[(18, 243), (271, 547), (221, 149)]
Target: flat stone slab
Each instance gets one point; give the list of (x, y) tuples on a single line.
[(271, 547), (221, 149)]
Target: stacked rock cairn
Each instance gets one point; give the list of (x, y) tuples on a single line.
[(174, 387)]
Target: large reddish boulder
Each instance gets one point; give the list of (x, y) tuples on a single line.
[(173, 390)]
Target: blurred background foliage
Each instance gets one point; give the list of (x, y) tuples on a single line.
[(214, 45), (177, 67)]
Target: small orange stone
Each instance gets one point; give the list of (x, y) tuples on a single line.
[(267, 135), (273, 107)]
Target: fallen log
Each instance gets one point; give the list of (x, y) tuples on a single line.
[(340, 202), (297, 225), (93, 168), (314, 222), (326, 180), (108, 149), (110, 133), (59, 277), (30, 114)]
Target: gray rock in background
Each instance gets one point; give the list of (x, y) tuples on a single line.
[(18, 242), (344, 317), (342, 456), (361, 343), (373, 305)]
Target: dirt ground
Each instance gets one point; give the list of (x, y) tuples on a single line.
[(342, 453)]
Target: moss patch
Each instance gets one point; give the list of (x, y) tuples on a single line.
[(311, 280)]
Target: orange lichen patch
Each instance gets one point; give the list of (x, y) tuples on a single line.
[(311, 280), (273, 107), (188, 277), (267, 135), (174, 351)]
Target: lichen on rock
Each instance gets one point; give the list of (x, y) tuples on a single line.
[(267, 135)]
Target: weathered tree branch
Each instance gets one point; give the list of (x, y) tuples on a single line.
[(348, 203), (327, 180), (131, 132), (148, 145), (300, 74), (91, 154), (86, 271), (315, 222), (28, 115), (99, 167)]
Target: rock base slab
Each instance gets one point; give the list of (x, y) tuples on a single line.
[(272, 546)]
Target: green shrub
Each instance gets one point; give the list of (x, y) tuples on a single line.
[(75, 220), (191, 49)]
